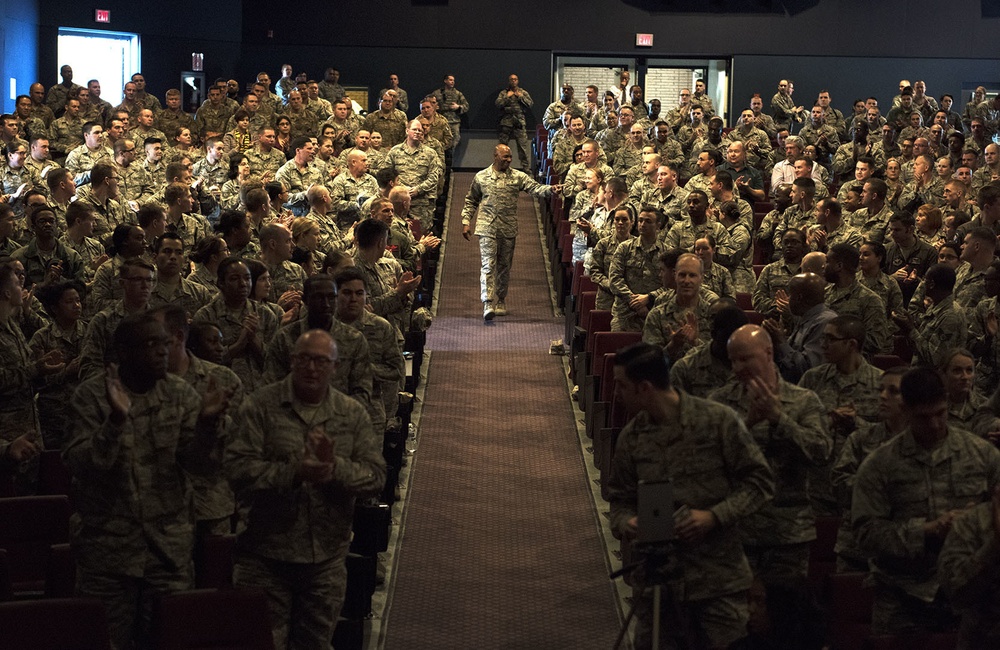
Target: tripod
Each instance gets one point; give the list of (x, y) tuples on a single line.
[(656, 564)]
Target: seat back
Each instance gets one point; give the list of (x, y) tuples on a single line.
[(849, 609), (29, 526), (600, 321), (609, 342), (54, 624), (213, 561), (588, 300), (212, 619), (822, 559)]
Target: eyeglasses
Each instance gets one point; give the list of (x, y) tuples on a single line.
[(830, 338), (321, 363)]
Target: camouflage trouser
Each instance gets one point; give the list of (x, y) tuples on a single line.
[(896, 612), (304, 598), (710, 623), (497, 255), (521, 137), (423, 211), (456, 134), (785, 562), (128, 601)]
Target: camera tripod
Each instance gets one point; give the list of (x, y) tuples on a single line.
[(652, 570)]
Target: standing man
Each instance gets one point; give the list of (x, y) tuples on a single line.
[(452, 104), (659, 444), (512, 101), (495, 190), (303, 452), (138, 432), (419, 168)]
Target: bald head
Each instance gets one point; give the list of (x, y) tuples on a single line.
[(751, 355), (805, 291), (814, 262), (751, 337), (316, 342)]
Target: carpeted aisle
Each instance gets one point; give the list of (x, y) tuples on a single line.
[(500, 546)]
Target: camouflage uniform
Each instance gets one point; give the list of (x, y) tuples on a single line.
[(345, 190), (575, 177), (741, 260), (212, 119), (719, 281), (35, 264), (65, 134), (445, 97), (381, 278), (719, 469), (107, 216), (699, 372), (777, 537), (89, 250), (330, 92), (611, 140), (794, 217), (214, 503), (634, 270), (668, 315), (284, 276), (10, 180), (391, 126), (600, 266), (97, 352), (941, 328), (968, 565), (864, 304), (167, 120), (304, 123), (970, 287), (673, 204), (872, 227), (824, 151), (388, 366), (261, 163), (134, 532), (55, 390), (684, 233), (82, 159), (859, 389), (756, 143), (248, 366), (106, 288), (419, 168), (932, 193), (986, 348), (887, 289), (214, 175), (35, 169), (145, 180), (18, 414), (898, 488), (191, 228), (513, 123), (298, 533), (670, 151), (190, 296), (562, 154), (299, 180)]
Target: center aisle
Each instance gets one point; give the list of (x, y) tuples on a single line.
[(500, 546)]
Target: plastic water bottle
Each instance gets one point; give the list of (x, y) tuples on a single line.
[(411, 439)]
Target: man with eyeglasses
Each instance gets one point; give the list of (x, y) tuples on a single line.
[(303, 452), (138, 433)]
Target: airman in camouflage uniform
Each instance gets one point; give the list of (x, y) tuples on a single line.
[(512, 102), (132, 446), (664, 325), (247, 365), (492, 202), (788, 424), (635, 272), (353, 375), (943, 326), (389, 121), (261, 161), (907, 494), (451, 105), (213, 116), (56, 389), (601, 256), (301, 453), (706, 367), (719, 474), (968, 569), (66, 133), (419, 168)]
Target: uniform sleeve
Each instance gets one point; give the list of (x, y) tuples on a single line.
[(748, 472), (623, 483), (872, 515), (617, 273), (94, 441), (969, 564), (472, 201), (805, 429), (362, 473), (244, 460)]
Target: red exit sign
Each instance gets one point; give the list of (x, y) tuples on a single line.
[(644, 40), (102, 15)]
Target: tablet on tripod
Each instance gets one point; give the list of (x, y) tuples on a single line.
[(656, 512)]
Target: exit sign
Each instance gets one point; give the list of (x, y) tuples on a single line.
[(644, 40), (102, 15)]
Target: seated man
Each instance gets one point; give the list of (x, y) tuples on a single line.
[(907, 496), (942, 327), (682, 320), (706, 367), (719, 478), (802, 349)]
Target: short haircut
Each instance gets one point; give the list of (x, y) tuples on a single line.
[(148, 213), (175, 191), (850, 327), (126, 337), (833, 205), (368, 232), (725, 179), (904, 218), (270, 232), (349, 274), (807, 184), (299, 142), (56, 177), (984, 235), (922, 386), (942, 277), (989, 194), (172, 236), (645, 362), (175, 170), (230, 220), (135, 263), (713, 155), (74, 212), (101, 172), (877, 187), (846, 255), (256, 198)]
